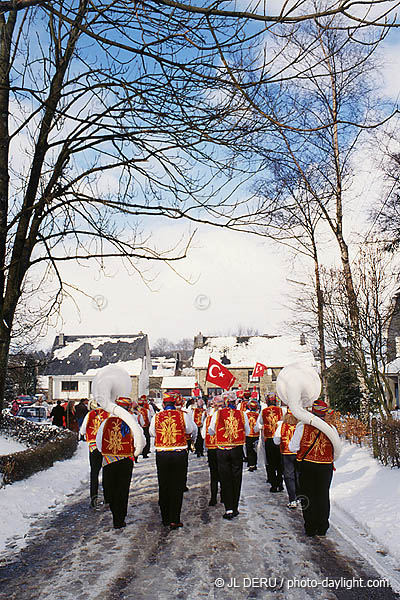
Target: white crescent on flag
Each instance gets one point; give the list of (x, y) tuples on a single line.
[(211, 371)]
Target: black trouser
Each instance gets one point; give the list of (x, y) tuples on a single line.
[(214, 477), (171, 473), (230, 467), (116, 481), (291, 475), (251, 445), (314, 483), (274, 464), (199, 444), (95, 461), (146, 449)]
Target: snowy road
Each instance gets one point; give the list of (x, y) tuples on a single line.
[(77, 555)]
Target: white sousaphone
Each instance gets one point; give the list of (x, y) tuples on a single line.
[(109, 384), (298, 385)]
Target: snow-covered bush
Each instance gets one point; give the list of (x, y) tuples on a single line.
[(47, 444)]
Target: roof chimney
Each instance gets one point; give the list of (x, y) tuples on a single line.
[(302, 339), (61, 339), (199, 340)]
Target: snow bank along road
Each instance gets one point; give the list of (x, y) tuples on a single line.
[(77, 555)]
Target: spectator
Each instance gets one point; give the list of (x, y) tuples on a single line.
[(14, 407), (71, 422), (58, 414), (81, 411)]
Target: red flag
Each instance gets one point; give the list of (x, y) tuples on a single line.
[(219, 375), (259, 370)]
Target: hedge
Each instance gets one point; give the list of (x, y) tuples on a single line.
[(47, 444)]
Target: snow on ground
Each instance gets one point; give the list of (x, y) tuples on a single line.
[(24, 501), (362, 488), (369, 493), (9, 445)]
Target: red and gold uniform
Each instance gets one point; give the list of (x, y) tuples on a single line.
[(209, 440), (115, 441), (315, 463), (92, 424), (270, 417), (230, 427), (321, 447), (170, 431), (230, 431), (268, 422), (170, 428), (287, 432), (252, 416)]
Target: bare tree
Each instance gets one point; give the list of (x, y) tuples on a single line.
[(111, 111), (333, 106)]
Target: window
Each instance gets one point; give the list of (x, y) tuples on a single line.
[(251, 379), (275, 373), (214, 391), (69, 386)]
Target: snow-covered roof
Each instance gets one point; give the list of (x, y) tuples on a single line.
[(394, 366), (244, 352), (178, 382), (162, 366), (73, 355)]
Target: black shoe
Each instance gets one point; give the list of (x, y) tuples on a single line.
[(212, 503), (235, 513), (280, 488), (120, 526), (251, 469), (309, 532), (274, 490), (228, 516)]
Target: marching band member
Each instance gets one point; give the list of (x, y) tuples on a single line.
[(191, 437), (267, 423), (116, 442), (252, 439), (230, 426), (211, 445), (199, 415), (88, 430), (315, 462), (147, 413), (169, 427), (283, 434)]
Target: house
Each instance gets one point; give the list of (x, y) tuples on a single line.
[(161, 366), (239, 354), (75, 360), (392, 369), (181, 383)]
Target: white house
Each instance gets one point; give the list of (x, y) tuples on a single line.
[(76, 358)]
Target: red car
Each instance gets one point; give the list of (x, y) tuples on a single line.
[(25, 400)]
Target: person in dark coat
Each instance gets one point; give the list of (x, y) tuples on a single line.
[(58, 414), (81, 411), (71, 422)]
